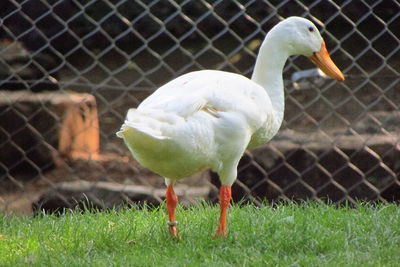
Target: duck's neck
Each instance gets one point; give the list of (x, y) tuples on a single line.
[(268, 73)]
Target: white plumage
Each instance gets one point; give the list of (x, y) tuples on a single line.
[(191, 124), (207, 119)]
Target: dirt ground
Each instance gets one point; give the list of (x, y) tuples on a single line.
[(17, 196)]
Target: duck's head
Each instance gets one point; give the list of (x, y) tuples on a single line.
[(301, 37)]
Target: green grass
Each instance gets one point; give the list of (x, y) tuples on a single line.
[(288, 235)]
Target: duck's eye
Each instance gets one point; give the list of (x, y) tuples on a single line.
[(310, 29)]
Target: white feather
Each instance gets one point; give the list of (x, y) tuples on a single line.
[(206, 119)]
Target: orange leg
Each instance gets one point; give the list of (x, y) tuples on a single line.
[(172, 201), (224, 199)]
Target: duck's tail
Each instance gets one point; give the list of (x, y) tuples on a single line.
[(154, 124), (142, 129)]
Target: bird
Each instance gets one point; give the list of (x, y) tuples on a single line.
[(206, 119)]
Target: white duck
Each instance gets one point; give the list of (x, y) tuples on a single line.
[(207, 119)]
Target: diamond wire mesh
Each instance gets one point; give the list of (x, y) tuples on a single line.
[(338, 140)]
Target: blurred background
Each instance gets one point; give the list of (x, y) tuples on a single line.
[(70, 69)]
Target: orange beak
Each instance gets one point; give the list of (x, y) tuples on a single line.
[(325, 63)]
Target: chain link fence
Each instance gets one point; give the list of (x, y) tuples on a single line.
[(339, 141)]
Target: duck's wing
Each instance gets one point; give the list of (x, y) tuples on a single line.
[(182, 96), (211, 92)]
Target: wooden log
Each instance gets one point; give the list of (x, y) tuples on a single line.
[(37, 129)]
